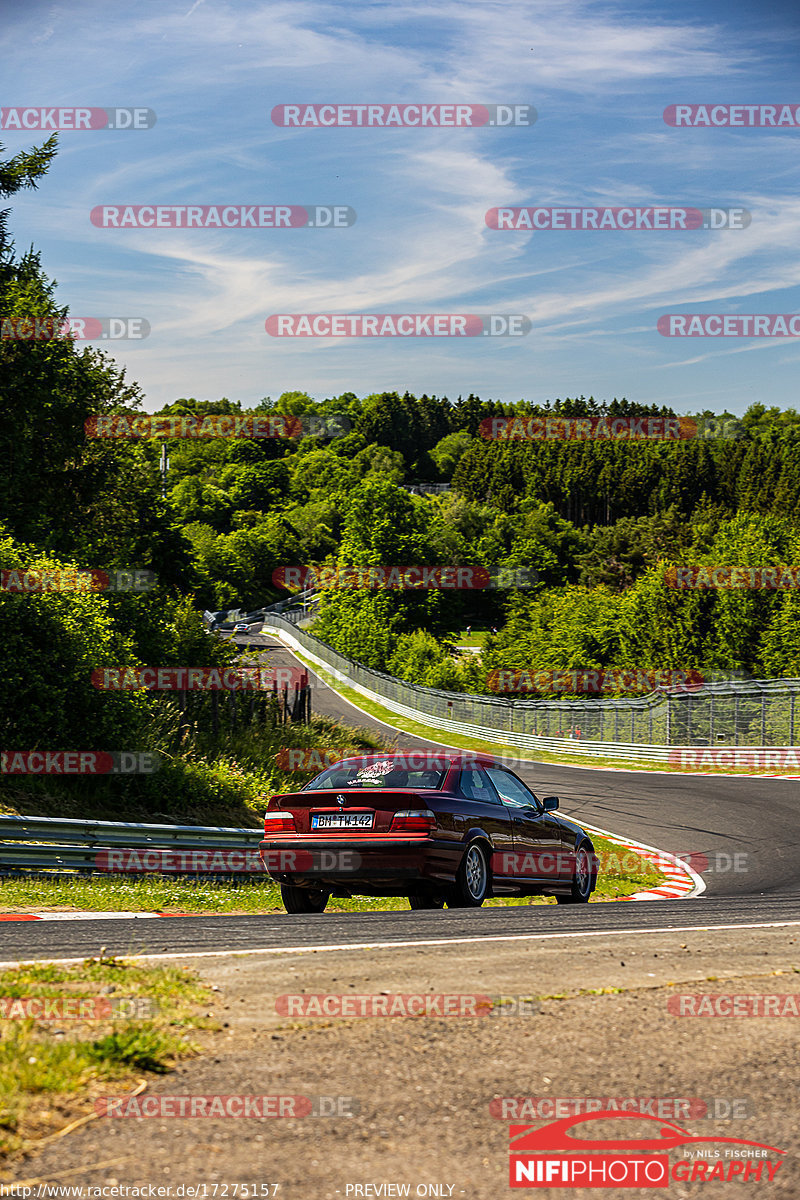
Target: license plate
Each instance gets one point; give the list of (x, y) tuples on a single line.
[(337, 820)]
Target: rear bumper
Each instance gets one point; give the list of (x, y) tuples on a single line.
[(345, 862)]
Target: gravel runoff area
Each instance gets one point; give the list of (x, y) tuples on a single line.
[(422, 1087)]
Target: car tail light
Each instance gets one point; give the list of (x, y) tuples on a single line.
[(279, 822), (413, 820)]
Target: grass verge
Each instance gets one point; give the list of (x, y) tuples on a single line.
[(53, 1070)]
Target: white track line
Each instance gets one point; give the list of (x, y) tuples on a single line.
[(484, 940)]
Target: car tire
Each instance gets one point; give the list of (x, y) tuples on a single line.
[(303, 900), (581, 888), (472, 879), (427, 900)]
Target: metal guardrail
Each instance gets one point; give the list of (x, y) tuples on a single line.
[(61, 844), (730, 715)]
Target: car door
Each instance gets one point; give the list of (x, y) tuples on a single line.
[(482, 808), (538, 850)]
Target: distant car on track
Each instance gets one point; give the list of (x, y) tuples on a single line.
[(450, 829), (241, 627)]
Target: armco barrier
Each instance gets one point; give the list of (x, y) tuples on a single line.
[(756, 714), (60, 844)]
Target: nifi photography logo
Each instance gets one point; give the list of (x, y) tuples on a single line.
[(552, 1156)]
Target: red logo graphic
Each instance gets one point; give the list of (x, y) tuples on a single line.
[(551, 1156)]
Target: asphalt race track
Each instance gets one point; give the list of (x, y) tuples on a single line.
[(217, 934), (757, 819)]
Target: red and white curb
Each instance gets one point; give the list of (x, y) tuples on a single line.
[(91, 916), (682, 882)]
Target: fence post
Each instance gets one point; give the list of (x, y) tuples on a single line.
[(791, 718), (763, 719), (736, 719)]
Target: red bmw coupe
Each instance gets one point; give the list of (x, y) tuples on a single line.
[(440, 828)]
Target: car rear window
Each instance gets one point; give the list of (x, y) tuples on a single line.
[(383, 774)]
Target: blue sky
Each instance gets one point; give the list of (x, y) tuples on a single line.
[(599, 76)]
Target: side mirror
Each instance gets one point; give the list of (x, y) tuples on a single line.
[(550, 803)]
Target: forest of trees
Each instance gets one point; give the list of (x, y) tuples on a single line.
[(595, 523)]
